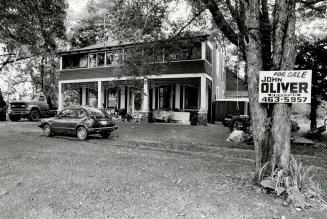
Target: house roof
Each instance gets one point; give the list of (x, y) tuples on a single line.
[(108, 44)]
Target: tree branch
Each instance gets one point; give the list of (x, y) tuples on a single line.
[(9, 60), (235, 15), (189, 22), (221, 22)]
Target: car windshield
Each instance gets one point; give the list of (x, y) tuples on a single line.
[(98, 113)]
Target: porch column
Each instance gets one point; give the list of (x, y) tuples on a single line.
[(100, 95), (145, 105), (154, 98), (122, 98), (203, 100), (178, 96), (60, 103), (202, 116), (83, 96)]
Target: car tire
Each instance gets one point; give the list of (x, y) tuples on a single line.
[(14, 118), (34, 115), (105, 134), (47, 130), (81, 133)]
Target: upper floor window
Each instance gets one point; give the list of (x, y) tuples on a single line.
[(93, 60), (100, 59), (109, 58), (161, 53), (208, 54), (74, 61), (185, 52)]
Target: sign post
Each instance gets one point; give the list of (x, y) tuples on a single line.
[(285, 86)]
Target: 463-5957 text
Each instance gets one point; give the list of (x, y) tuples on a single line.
[(284, 99)]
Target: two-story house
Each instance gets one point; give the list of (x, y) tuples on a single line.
[(192, 81)]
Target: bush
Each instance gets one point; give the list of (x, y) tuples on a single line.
[(2, 108), (294, 183)]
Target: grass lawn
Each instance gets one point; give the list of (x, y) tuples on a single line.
[(142, 171)]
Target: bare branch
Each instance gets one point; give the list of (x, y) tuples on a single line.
[(221, 22), (235, 15), (189, 22), (9, 60)]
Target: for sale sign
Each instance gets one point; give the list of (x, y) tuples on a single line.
[(285, 86)]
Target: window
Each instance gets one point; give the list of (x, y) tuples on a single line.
[(117, 57), (109, 58), (83, 61), (80, 113), (217, 93), (67, 113), (93, 98), (41, 99), (112, 99), (164, 97), (100, 59), (208, 54), (191, 97), (138, 101), (98, 113), (93, 60), (74, 61)]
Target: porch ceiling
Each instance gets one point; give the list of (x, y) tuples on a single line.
[(170, 81), (77, 86)]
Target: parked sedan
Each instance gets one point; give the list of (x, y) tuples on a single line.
[(80, 121)]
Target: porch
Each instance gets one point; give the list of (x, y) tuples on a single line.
[(188, 95)]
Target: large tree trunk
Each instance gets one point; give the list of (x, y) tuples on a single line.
[(259, 113), (284, 58), (271, 123), (314, 102)]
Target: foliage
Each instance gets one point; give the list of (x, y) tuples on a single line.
[(31, 27), (311, 55), (2, 108), (295, 183), (71, 98), (90, 28)]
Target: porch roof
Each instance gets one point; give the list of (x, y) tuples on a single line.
[(237, 94), (170, 81)]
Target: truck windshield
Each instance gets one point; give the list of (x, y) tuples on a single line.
[(35, 97)]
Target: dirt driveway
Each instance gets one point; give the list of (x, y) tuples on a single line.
[(142, 171)]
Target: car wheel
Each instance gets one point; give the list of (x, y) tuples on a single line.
[(82, 133), (14, 118), (47, 130), (105, 134), (34, 115)]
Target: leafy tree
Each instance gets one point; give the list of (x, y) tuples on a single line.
[(90, 29), (42, 72), (30, 28), (263, 31), (312, 55), (2, 107)]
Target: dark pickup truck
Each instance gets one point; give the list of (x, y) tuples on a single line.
[(34, 109)]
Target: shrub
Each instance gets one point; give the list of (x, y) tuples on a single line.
[(2, 108), (294, 183)]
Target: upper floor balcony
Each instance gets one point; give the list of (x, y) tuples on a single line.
[(102, 61)]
